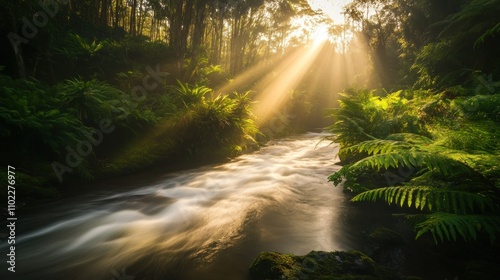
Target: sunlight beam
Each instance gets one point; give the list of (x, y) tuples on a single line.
[(320, 34), (274, 94)]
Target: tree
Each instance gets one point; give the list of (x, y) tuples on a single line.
[(455, 57), (243, 14)]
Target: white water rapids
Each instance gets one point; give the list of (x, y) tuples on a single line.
[(205, 223)]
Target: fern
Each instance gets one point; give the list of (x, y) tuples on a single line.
[(453, 175), (93, 100), (413, 158), (448, 226), (480, 106), (377, 146), (489, 33), (355, 118), (411, 138), (349, 130), (434, 199), (189, 95)]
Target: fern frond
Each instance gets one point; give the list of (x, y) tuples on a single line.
[(413, 158), (489, 33), (447, 226), (377, 146), (433, 199), (338, 176), (411, 138), (354, 124)]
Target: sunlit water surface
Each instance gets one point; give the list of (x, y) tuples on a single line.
[(206, 223)]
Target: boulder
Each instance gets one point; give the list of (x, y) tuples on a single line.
[(319, 265)]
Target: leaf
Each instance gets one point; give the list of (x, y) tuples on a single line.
[(447, 225), (419, 197)]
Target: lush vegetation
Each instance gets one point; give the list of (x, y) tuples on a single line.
[(442, 161), (428, 141), (417, 43), (76, 123)]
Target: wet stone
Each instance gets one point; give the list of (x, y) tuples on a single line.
[(340, 265)]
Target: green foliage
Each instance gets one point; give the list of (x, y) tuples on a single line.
[(451, 197), (130, 54), (451, 176), (189, 95), (480, 17), (30, 114), (430, 198), (408, 138), (414, 157), (488, 33), (365, 115), (195, 126), (217, 122), (448, 226), (453, 57), (354, 118), (91, 101), (37, 128), (472, 137), (29, 186), (76, 47), (212, 75), (39, 123), (431, 62), (479, 107)]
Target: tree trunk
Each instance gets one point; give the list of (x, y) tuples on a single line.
[(179, 16), (142, 15), (104, 12), (199, 25), (132, 23), (117, 13)]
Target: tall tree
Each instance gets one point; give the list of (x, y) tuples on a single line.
[(133, 15), (179, 14), (242, 20)]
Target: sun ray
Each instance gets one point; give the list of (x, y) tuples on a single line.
[(244, 78), (274, 94), (320, 34)]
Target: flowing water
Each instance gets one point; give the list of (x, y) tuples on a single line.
[(205, 223)]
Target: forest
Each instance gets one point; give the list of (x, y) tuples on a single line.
[(409, 91), (171, 79)]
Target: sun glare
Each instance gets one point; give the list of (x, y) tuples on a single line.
[(332, 8), (320, 35)]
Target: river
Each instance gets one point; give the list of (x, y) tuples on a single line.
[(205, 223)]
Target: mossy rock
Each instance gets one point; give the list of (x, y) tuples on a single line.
[(338, 265), (271, 265)]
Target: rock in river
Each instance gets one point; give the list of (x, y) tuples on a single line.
[(318, 265)]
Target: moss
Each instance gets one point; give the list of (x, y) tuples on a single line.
[(271, 265), (338, 265)]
